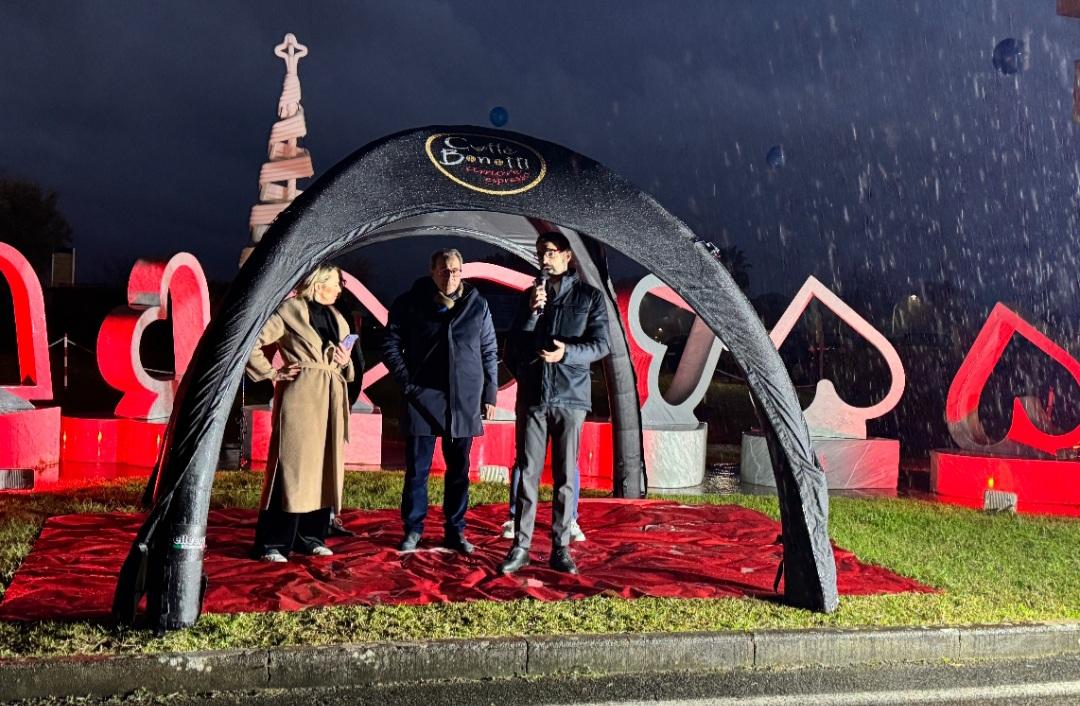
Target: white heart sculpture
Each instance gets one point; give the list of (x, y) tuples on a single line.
[(828, 415)]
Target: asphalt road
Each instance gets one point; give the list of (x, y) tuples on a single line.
[(1042, 681)]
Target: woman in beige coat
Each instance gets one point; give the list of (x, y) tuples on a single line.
[(306, 464)]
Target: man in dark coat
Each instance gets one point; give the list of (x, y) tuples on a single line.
[(440, 347), (559, 330)]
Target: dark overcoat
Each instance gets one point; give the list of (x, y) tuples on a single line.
[(445, 360)]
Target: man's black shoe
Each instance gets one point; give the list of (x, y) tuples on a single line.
[(338, 529), (562, 561), (409, 543), (458, 543), (516, 559)]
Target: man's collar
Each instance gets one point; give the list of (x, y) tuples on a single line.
[(570, 274)]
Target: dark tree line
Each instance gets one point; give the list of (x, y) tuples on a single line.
[(31, 222)]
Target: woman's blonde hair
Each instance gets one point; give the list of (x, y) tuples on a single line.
[(321, 274)]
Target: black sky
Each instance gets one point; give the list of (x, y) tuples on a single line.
[(908, 157)]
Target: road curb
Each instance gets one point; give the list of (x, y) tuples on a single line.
[(297, 667), (398, 662), (837, 648)]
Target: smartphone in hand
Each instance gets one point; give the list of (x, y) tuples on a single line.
[(349, 341)]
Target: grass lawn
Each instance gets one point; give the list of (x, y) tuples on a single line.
[(990, 569)]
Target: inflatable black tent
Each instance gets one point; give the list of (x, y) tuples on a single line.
[(468, 169)]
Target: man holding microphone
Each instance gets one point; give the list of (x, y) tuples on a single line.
[(560, 329)]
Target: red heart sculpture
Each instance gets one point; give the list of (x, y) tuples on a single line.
[(962, 405), (149, 287), (30, 333)]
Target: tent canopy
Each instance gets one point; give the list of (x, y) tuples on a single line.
[(460, 168)]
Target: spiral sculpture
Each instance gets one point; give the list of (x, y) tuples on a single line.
[(286, 161)]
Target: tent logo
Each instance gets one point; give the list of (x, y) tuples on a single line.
[(188, 541), (490, 165)]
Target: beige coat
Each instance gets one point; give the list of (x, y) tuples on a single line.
[(310, 414)]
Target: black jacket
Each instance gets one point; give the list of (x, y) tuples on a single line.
[(577, 317), (446, 361)]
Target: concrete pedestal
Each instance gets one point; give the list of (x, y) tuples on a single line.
[(496, 448), (849, 464), (30, 438), (1041, 485), (133, 442), (675, 457)]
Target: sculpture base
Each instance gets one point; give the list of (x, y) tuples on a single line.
[(17, 478), (134, 442), (1045, 486), (81, 474), (496, 448), (675, 458), (849, 464), (30, 438), (364, 447)]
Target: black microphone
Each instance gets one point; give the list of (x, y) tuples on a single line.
[(541, 281)]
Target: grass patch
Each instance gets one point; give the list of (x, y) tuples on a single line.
[(990, 569)]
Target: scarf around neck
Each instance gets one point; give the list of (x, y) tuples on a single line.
[(446, 302)]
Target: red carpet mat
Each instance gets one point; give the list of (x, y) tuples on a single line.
[(634, 548)]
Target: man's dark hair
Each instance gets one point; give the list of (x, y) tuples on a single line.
[(557, 239)]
